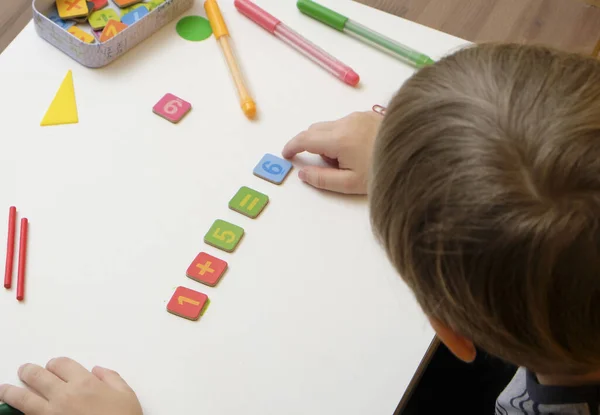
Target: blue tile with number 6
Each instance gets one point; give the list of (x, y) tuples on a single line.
[(272, 168)]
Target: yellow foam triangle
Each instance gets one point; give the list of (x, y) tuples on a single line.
[(63, 109)]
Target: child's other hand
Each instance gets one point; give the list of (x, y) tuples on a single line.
[(65, 387), (346, 145)]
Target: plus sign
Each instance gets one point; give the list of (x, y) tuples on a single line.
[(71, 4), (204, 268)]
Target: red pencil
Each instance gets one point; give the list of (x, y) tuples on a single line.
[(22, 258), (10, 247)]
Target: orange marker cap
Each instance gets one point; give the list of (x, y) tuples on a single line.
[(215, 18), (249, 107)]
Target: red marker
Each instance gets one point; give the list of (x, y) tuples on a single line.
[(10, 247), (22, 258)]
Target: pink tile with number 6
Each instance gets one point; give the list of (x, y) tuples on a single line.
[(172, 108)]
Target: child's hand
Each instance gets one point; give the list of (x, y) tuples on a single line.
[(67, 388), (346, 144)]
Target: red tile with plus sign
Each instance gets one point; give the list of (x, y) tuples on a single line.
[(187, 303), (206, 269)]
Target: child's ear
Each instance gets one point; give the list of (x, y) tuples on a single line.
[(460, 346)]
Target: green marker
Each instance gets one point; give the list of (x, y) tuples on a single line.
[(370, 37), (6, 409)]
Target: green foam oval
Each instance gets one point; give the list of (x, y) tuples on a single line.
[(194, 28)]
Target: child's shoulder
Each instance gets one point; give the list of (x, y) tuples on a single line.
[(525, 395)]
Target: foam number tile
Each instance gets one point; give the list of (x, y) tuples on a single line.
[(70, 9), (126, 3), (90, 7), (134, 15), (134, 7), (172, 108), (99, 19), (273, 169), (112, 29), (188, 303), (81, 35), (65, 24), (224, 235), (248, 202), (99, 4), (153, 4), (206, 269)]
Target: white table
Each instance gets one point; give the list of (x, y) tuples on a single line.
[(310, 317)]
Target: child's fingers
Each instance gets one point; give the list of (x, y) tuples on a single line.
[(67, 369), (111, 378), (25, 401), (332, 162), (40, 380), (322, 126), (326, 178), (316, 142)]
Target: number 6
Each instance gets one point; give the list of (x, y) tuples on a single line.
[(273, 168), (172, 107)]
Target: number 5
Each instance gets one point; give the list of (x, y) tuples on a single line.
[(172, 107), (273, 168), (224, 235)]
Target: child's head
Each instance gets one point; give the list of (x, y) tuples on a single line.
[(485, 192)]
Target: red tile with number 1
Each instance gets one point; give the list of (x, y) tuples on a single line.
[(187, 303)]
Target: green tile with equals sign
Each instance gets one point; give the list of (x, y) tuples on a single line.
[(249, 202)]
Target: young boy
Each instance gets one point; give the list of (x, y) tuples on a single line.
[(484, 190), (485, 193)]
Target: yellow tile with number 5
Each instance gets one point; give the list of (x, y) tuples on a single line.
[(224, 235)]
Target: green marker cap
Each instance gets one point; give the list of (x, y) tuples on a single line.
[(8, 410), (322, 14)]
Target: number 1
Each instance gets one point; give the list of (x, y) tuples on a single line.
[(183, 299)]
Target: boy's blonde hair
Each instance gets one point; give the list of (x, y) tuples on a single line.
[(485, 192)]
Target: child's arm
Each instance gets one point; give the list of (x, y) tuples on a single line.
[(65, 387), (347, 146)]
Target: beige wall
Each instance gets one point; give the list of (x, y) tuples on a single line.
[(14, 15)]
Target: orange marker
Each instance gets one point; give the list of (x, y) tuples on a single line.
[(222, 35), (22, 260)]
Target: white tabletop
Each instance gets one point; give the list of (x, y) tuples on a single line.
[(310, 317)]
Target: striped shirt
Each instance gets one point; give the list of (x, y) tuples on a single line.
[(524, 395)]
